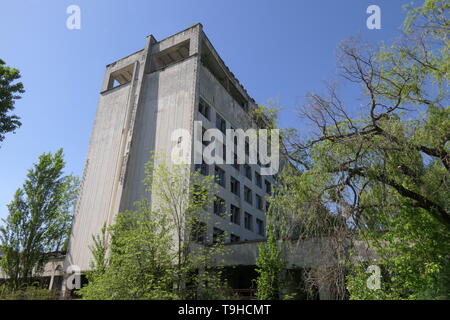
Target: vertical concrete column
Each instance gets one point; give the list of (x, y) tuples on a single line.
[(134, 100)]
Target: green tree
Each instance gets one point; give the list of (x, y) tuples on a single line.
[(412, 252), (184, 196), (140, 262), (39, 219), (385, 168), (9, 92), (269, 265), (160, 250)]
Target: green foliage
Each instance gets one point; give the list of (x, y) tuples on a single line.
[(9, 92), (152, 252), (39, 219), (269, 266), (413, 250), (140, 260), (266, 117), (383, 172), (27, 293), (410, 231)]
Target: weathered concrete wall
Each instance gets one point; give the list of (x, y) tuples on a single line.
[(302, 254), (97, 186), (167, 105), (223, 104), (132, 120)]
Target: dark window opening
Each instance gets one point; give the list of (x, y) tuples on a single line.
[(258, 179), (204, 108), (248, 221), (260, 227), (235, 186), (221, 124), (248, 171), (259, 202), (235, 214), (219, 207), (219, 176), (268, 187), (248, 195)]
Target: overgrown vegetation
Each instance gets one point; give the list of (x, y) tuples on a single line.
[(10, 90), (38, 222), (160, 250), (380, 173), (269, 266)]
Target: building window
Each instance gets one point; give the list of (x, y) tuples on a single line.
[(258, 179), (204, 108), (219, 206), (221, 124), (202, 168), (204, 142), (218, 235), (267, 206), (224, 153), (260, 227), (198, 232), (268, 187), (259, 202), (235, 162), (248, 171), (235, 214), (235, 186), (248, 195), (234, 238), (219, 176), (248, 221)]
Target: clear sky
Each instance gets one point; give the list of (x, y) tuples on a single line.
[(279, 50)]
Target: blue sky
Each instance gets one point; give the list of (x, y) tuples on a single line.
[(279, 50)]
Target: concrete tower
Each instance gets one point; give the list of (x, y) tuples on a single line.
[(145, 97)]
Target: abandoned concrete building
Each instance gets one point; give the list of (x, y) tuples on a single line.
[(145, 97)]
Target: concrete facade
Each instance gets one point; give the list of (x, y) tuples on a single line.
[(144, 98)]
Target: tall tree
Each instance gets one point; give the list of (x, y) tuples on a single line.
[(399, 138), (139, 264), (10, 89), (160, 250), (384, 166), (269, 265), (39, 219)]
